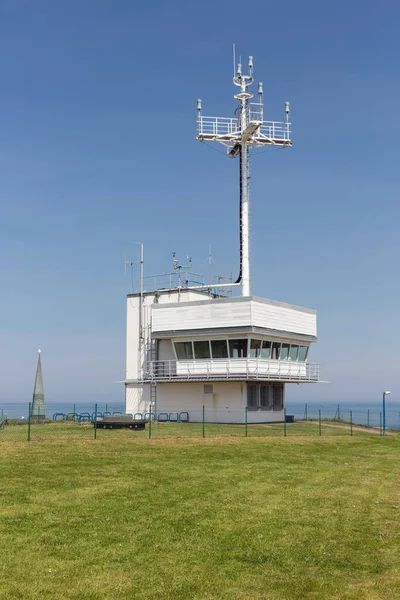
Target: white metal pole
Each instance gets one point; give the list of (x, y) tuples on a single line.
[(245, 216), (141, 335)]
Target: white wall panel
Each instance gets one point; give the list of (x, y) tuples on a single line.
[(137, 398), (283, 318), (217, 314), (226, 405)]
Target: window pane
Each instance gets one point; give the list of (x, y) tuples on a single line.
[(255, 347), (294, 350), (238, 348), (285, 351), (184, 350), (266, 397), (266, 349), (278, 397), (202, 349), (275, 350), (303, 353), (219, 349), (252, 396)]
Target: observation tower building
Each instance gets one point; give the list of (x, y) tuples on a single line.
[(189, 343)]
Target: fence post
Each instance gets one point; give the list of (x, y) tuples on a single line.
[(106, 407), (284, 421), (380, 423), (305, 412), (149, 422), (203, 421), (29, 421), (351, 422), (338, 412), (74, 411), (95, 422), (368, 418), (245, 417), (319, 421)]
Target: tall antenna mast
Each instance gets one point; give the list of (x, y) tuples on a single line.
[(246, 130), (140, 262)]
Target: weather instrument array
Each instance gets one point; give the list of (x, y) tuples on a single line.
[(241, 133)]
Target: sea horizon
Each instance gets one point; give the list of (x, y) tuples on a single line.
[(360, 412)]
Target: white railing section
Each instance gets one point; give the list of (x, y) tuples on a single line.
[(218, 126), (236, 368), (228, 129)]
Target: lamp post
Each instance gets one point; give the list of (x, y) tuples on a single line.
[(384, 411)]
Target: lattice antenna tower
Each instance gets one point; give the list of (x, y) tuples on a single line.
[(245, 131)]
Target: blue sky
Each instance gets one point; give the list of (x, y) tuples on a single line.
[(97, 149)]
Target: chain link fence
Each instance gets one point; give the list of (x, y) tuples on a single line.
[(101, 423)]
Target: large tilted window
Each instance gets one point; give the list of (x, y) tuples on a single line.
[(260, 349), (303, 353), (266, 349), (240, 348), (255, 348), (184, 350), (284, 354), (202, 349), (219, 348), (265, 396), (276, 347)]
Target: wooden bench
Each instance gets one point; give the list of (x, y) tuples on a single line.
[(120, 422)]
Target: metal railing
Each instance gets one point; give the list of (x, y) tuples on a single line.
[(273, 131), (173, 280), (234, 368), (213, 128), (218, 126)]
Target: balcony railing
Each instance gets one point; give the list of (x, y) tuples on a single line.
[(229, 130), (231, 368)]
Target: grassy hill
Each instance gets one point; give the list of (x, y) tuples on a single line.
[(262, 518)]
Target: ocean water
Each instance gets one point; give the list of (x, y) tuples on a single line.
[(368, 413)]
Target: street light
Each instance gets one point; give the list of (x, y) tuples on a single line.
[(384, 411)]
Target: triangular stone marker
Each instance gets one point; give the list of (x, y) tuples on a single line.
[(38, 409)]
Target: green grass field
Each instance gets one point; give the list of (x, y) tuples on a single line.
[(180, 518)]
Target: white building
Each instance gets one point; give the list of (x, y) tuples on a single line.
[(191, 346)]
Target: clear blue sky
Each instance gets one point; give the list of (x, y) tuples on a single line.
[(97, 149)]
